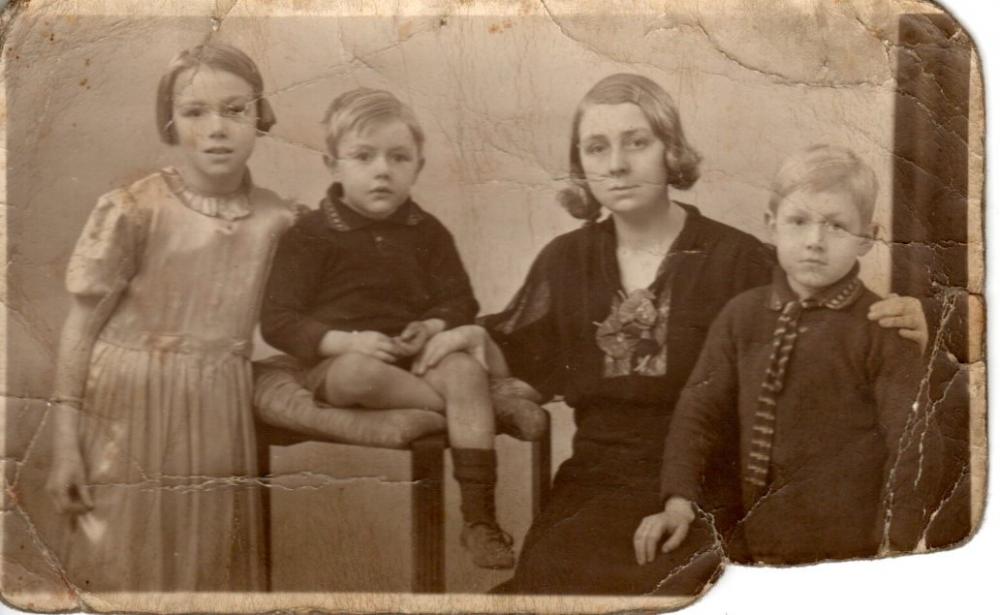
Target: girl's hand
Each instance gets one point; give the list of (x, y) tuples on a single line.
[(374, 344), (903, 313), (676, 519), (66, 484), (470, 339)]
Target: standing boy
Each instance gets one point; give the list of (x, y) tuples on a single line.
[(837, 459)]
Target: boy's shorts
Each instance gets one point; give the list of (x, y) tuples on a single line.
[(316, 375)]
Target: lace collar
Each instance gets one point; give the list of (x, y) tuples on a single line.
[(232, 206)]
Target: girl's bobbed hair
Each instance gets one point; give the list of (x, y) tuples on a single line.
[(681, 159), (217, 56)]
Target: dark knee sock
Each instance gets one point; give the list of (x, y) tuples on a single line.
[(476, 473)]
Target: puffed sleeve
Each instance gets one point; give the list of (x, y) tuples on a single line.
[(109, 250), (526, 330), (106, 257)]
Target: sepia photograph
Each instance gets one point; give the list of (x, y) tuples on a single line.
[(484, 306)]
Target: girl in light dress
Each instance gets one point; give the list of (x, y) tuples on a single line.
[(154, 452)]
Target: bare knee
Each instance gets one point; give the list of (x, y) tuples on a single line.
[(460, 372), (352, 377)]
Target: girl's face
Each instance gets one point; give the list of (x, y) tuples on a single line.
[(215, 116), (623, 160)]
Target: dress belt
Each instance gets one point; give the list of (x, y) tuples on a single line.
[(185, 344)]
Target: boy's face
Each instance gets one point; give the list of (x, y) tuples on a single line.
[(376, 167), (819, 236)]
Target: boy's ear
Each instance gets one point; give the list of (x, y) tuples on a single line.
[(769, 221), (874, 232), (331, 162)]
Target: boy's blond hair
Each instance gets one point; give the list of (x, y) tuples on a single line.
[(362, 107), (827, 168)]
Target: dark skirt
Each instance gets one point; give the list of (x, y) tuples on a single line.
[(581, 543)]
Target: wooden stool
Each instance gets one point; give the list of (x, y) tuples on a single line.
[(427, 509)]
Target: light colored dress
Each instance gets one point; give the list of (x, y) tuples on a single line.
[(167, 429)]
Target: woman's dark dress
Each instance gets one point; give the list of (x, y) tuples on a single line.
[(581, 543)]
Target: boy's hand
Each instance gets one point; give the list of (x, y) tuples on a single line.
[(470, 339), (676, 519), (903, 313), (374, 344), (415, 336)]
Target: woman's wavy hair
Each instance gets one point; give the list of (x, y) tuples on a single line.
[(681, 159), (219, 57)]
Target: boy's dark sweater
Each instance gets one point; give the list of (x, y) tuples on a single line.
[(848, 394), (338, 270)]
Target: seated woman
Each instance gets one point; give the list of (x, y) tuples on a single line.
[(612, 317)]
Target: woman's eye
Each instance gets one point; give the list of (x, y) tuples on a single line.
[(401, 158), (594, 148), (796, 221), (362, 156), (236, 109), (191, 112), (638, 143)]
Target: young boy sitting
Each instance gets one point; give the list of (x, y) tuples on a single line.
[(837, 459), (363, 285)]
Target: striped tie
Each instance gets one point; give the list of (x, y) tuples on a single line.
[(838, 297), (762, 436)]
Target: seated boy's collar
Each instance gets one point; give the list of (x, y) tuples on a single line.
[(838, 296), (340, 217)]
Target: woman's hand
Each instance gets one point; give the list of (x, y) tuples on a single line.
[(66, 484), (471, 339), (903, 313), (676, 519)]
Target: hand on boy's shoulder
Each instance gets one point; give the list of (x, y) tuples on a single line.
[(905, 314)]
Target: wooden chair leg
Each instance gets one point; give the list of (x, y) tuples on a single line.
[(264, 472), (541, 471), (427, 459)]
